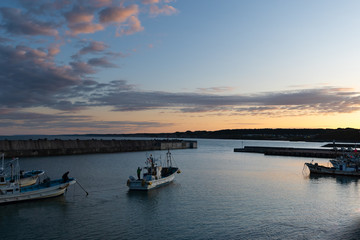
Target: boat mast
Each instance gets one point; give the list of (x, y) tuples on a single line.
[(168, 158)]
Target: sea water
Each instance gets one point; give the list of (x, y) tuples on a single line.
[(219, 194)]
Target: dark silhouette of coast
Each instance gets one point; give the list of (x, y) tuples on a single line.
[(287, 134)]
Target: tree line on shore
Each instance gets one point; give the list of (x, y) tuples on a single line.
[(289, 134)]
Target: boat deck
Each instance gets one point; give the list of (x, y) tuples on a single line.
[(45, 185)]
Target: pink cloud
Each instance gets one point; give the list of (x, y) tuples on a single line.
[(117, 14), (150, 1), (53, 50), (93, 47), (134, 25), (78, 17), (101, 3), (164, 10), (84, 28)]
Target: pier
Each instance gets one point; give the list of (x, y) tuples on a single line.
[(45, 147), (297, 152)]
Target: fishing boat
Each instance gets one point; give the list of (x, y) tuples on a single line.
[(340, 169), (12, 191), (30, 177), (347, 165), (154, 176), (26, 178)]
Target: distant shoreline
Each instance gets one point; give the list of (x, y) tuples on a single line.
[(351, 135)]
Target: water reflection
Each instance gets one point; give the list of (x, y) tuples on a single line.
[(148, 195), (349, 232), (338, 179)]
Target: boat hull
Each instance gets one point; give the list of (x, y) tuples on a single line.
[(314, 168), (52, 189), (30, 177), (143, 185)]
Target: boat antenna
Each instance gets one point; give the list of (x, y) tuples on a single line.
[(2, 159)]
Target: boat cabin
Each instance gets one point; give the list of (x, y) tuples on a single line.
[(152, 173)]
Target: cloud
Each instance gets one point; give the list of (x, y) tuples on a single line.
[(82, 68), (93, 47), (84, 27), (67, 123), (30, 78), (133, 26), (80, 20), (44, 7), (101, 62), (164, 10), (216, 89), (150, 1), (125, 18), (117, 14), (14, 21), (303, 101), (79, 15), (53, 50)]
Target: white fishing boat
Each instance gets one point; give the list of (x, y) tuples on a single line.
[(153, 176), (340, 170), (30, 177), (12, 191), (26, 178)]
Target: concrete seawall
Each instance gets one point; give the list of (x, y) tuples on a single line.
[(44, 147), (297, 152)]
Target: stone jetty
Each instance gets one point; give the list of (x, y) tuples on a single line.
[(288, 151), (45, 147)]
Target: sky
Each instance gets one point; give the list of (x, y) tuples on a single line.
[(155, 66)]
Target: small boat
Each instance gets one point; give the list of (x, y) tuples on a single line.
[(26, 178), (30, 177), (153, 176), (12, 191)]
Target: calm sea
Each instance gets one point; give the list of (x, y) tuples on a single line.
[(220, 194)]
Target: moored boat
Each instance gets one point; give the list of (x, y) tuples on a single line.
[(153, 176), (30, 177), (347, 165), (340, 168), (26, 178), (12, 191)]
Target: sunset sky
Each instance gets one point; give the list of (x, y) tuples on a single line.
[(101, 66)]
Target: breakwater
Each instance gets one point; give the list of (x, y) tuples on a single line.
[(298, 152), (45, 147)]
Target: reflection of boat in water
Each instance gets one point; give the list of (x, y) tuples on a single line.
[(341, 179), (12, 191), (153, 176)]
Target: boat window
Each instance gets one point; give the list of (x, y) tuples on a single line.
[(2, 179)]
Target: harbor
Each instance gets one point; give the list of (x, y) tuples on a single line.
[(253, 196)]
